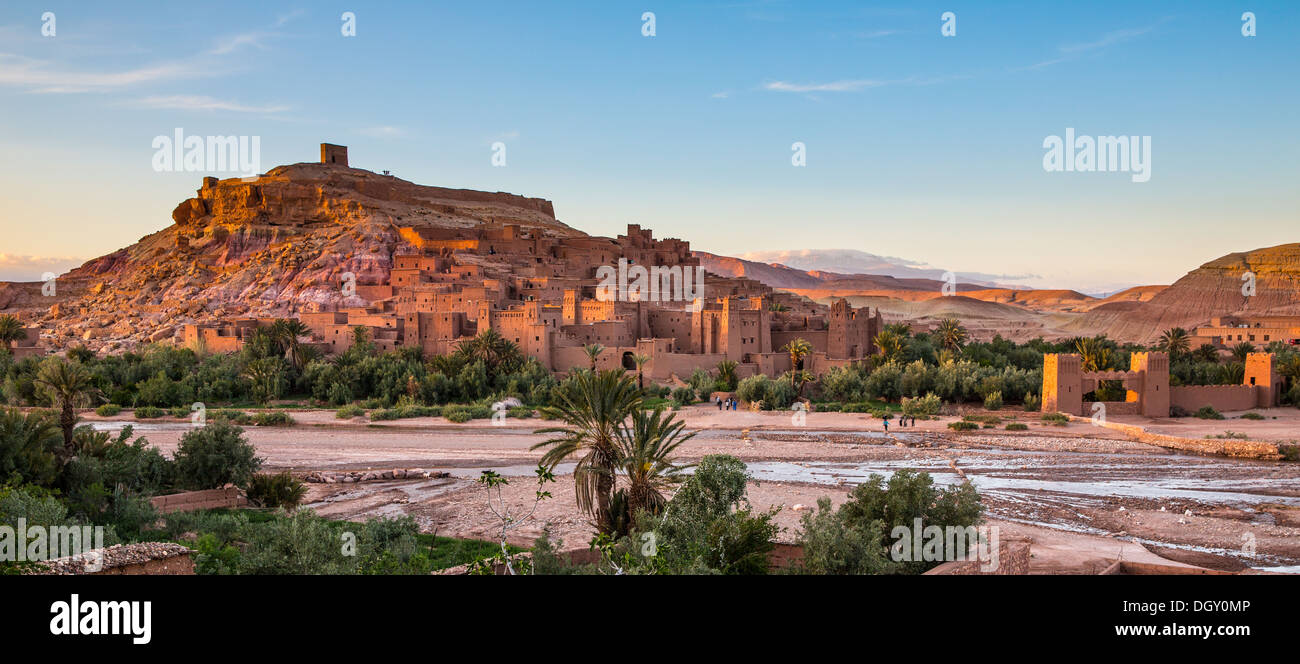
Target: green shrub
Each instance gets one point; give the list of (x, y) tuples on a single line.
[(1251, 416), (273, 419), (385, 414), (1208, 413), (520, 412), (278, 490), (350, 411), (1032, 402), (709, 526), (215, 455), (683, 396), (853, 540), (993, 401), (926, 405), (1017, 426), (108, 410), (231, 416), (963, 426), (179, 412), (1057, 419), (148, 413), (458, 416), (828, 407)]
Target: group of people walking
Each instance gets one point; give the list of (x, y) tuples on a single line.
[(730, 403), (903, 421)]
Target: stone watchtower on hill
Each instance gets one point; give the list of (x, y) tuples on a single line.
[(333, 154)]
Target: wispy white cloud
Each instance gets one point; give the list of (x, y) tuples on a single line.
[(1107, 39), (255, 38), (201, 103), (44, 77), (15, 267), (876, 34), (1070, 52), (830, 86), (721, 95)]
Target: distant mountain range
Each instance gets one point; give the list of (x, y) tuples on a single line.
[(907, 292), (852, 261)]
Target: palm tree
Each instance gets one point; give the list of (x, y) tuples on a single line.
[(1289, 367), (592, 406), (1232, 373), (267, 376), (798, 349), (645, 450), (892, 345), (1175, 342), (29, 445), (1241, 350), (951, 334), (640, 361), (1206, 353), (287, 332), (11, 329), (727, 374), (901, 329), (777, 307), (1094, 352), (68, 386), (495, 350), (799, 379), (593, 352)]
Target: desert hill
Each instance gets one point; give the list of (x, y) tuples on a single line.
[(267, 247), (1213, 289)]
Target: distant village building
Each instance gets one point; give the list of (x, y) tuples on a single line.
[(1229, 331), (26, 345)]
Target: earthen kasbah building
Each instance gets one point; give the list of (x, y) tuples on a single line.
[(553, 295), (1148, 392)]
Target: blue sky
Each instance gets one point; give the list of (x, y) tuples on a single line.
[(918, 145)]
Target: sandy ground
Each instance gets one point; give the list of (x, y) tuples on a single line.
[(1088, 495)]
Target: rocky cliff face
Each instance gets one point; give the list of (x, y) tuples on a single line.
[(1213, 289), (270, 247)]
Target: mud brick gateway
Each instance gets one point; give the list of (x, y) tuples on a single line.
[(1149, 392)]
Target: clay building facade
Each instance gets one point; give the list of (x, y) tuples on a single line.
[(1148, 392)]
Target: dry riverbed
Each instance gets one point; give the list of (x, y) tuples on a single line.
[(1076, 483)]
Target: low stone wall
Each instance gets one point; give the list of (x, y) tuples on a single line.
[(1248, 449), (1013, 559), (189, 501), (1220, 397), (1129, 568), (141, 558)]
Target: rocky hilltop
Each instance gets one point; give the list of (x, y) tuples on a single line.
[(1211, 290), (272, 246)]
